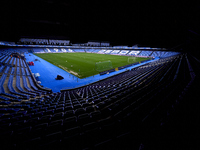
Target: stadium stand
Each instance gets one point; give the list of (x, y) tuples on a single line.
[(95, 51), (79, 50), (47, 50), (12, 90), (133, 53), (27, 72), (1, 68), (101, 51), (56, 50), (12, 71), (43, 41), (145, 53), (7, 60), (90, 50), (38, 50), (63, 50), (14, 62), (7, 69), (33, 41), (115, 51), (4, 59), (123, 52), (134, 103), (108, 51), (17, 62), (167, 54), (59, 42), (11, 60), (18, 86)]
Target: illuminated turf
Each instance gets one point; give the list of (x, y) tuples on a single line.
[(82, 65)]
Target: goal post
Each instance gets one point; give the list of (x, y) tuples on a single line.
[(103, 66), (131, 60)]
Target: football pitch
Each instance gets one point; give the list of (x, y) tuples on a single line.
[(84, 65)]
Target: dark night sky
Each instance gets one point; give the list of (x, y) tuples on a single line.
[(122, 23)]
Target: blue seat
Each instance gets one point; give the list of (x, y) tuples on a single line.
[(70, 122), (58, 116), (69, 113), (79, 111), (83, 118), (71, 137)]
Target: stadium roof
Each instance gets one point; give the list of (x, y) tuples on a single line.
[(122, 23)]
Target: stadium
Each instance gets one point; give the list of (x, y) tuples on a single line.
[(62, 90)]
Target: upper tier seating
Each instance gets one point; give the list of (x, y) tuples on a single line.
[(115, 51), (43, 41), (133, 53), (108, 51), (145, 53), (33, 41), (123, 52), (59, 42)]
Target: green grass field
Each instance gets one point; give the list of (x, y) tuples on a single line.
[(82, 65)]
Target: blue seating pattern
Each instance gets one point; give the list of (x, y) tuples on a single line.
[(17, 62), (145, 53), (108, 51), (24, 64), (23, 72), (20, 88), (15, 59), (7, 69), (12, 90), (1, 68), (133, 102), (4, 58), (115, 51), (90, 50), (27, 72), (7, 60), (2, 91), (12, 70), (21, 63), (79, 50), (95, 51), (11, 60), (123, 52), (3, 78), (18, 71), (133, 52), (36, 50)]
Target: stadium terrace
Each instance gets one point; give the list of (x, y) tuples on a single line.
[(107, 94)]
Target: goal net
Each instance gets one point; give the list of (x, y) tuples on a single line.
[(131, 60), (103, 66)]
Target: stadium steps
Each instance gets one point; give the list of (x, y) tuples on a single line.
[(151, 53), (15, 85), (12, 90), (5, 85), (139, 53)]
